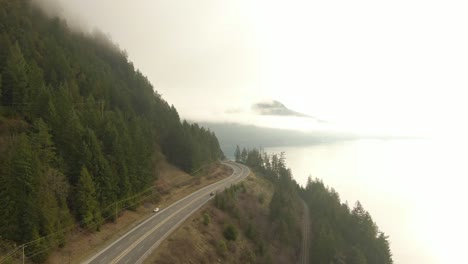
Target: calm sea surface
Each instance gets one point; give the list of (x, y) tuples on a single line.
[(415, 190)]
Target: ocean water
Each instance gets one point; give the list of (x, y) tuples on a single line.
[(415, 190)]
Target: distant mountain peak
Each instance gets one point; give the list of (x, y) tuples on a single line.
[(275, 108)]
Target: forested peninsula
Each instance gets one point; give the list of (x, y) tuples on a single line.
[(339, 234)]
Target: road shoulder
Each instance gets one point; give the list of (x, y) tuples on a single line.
[(173, 184)]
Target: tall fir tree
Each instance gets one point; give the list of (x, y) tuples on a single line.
[(86, 202), (15, 83), (237, 153)]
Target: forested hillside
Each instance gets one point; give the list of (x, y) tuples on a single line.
[(255, 221), (285, 206), (80, 128), (339, 234)]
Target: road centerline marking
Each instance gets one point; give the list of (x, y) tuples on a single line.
[(237, 175), (134, 244)]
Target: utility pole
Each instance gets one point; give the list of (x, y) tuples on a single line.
[(23, 254)]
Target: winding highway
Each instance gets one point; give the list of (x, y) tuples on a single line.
[(138, 243)]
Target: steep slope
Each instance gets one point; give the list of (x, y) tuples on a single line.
[(338, 234), (237, 227), (80, 129)]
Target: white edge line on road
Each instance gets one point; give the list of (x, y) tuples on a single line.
[(230, 164), (155, 245)]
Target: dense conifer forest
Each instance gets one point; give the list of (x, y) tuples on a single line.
[(339, 234), (80, 128)]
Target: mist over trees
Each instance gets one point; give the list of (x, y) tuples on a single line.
[(339, 234), (282, 229), (80, 128)]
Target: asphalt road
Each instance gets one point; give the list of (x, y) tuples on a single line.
[(304, 257), (138, 243)]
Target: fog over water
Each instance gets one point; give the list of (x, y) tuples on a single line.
[(395, 67), (415, 190)]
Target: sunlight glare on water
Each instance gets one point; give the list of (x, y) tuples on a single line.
[(415, 190)]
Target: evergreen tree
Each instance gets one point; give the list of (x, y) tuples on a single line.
[(237, 154), (5, 43), (356, 256), (266, 162), (52, 185), (98, 166), (86, 203), (15, 83), (340, 234), (243, 157), (19, 181), (383, 253)]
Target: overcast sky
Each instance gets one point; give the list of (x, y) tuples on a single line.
[(399, 66)]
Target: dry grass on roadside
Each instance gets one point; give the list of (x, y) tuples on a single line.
[(175, 185), (199, 241), (185, 184)]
